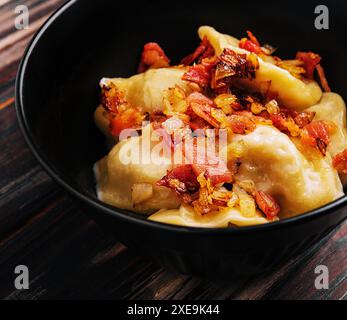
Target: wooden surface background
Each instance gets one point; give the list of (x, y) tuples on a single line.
[(69, 257)]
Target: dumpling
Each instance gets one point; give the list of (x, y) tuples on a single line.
[(292, 92), (186, 216), (146, 90), (127, 182), (273, 162)]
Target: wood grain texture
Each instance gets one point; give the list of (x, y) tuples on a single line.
[(70, 257)]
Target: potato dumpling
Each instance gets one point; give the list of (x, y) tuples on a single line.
[(121, 173), (292, 92), (146, 90), (272, 161)]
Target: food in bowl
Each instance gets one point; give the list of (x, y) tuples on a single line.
[(231, 136)]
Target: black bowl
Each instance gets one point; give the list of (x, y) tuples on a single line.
[(57, 92)]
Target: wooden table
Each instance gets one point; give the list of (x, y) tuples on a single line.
[(69, 257)]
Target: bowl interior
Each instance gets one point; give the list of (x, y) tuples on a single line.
[(90, 40)]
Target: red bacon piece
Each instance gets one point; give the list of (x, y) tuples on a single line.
[(316, 134), (251, 45), (310, 60), (241, 124), (340, 162), (126, 119), (207, 162), (204, 50), (120, 113), (198, 74), (253, 38), (267, 204), (157, 118), (323, 80), (198, 123), (182, 179), (202, 107), (302, 119), (201, 73), (279, 121), (153, 56)]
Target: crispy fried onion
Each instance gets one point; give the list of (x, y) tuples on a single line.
[(120, 113), (232, 65), (153, 57), (294, 66), (218, 72)]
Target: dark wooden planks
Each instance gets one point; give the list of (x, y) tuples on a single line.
[(70, 257)]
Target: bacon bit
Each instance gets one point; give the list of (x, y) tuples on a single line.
[(121, 115), (201, 73), (323, 80), (231, 64), (302, 119), (198, 74), (241, 124), (153, 57), (283, 121), (316, 134), (279, 121), (157, 118), (310, 60), (218, 173), (202, 107), (129, 118), (204, 50), (253, 38), (267, 204), (340, 162), (181, 179), (199, 123), (112, 98), (207, 162), (249, 46)]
